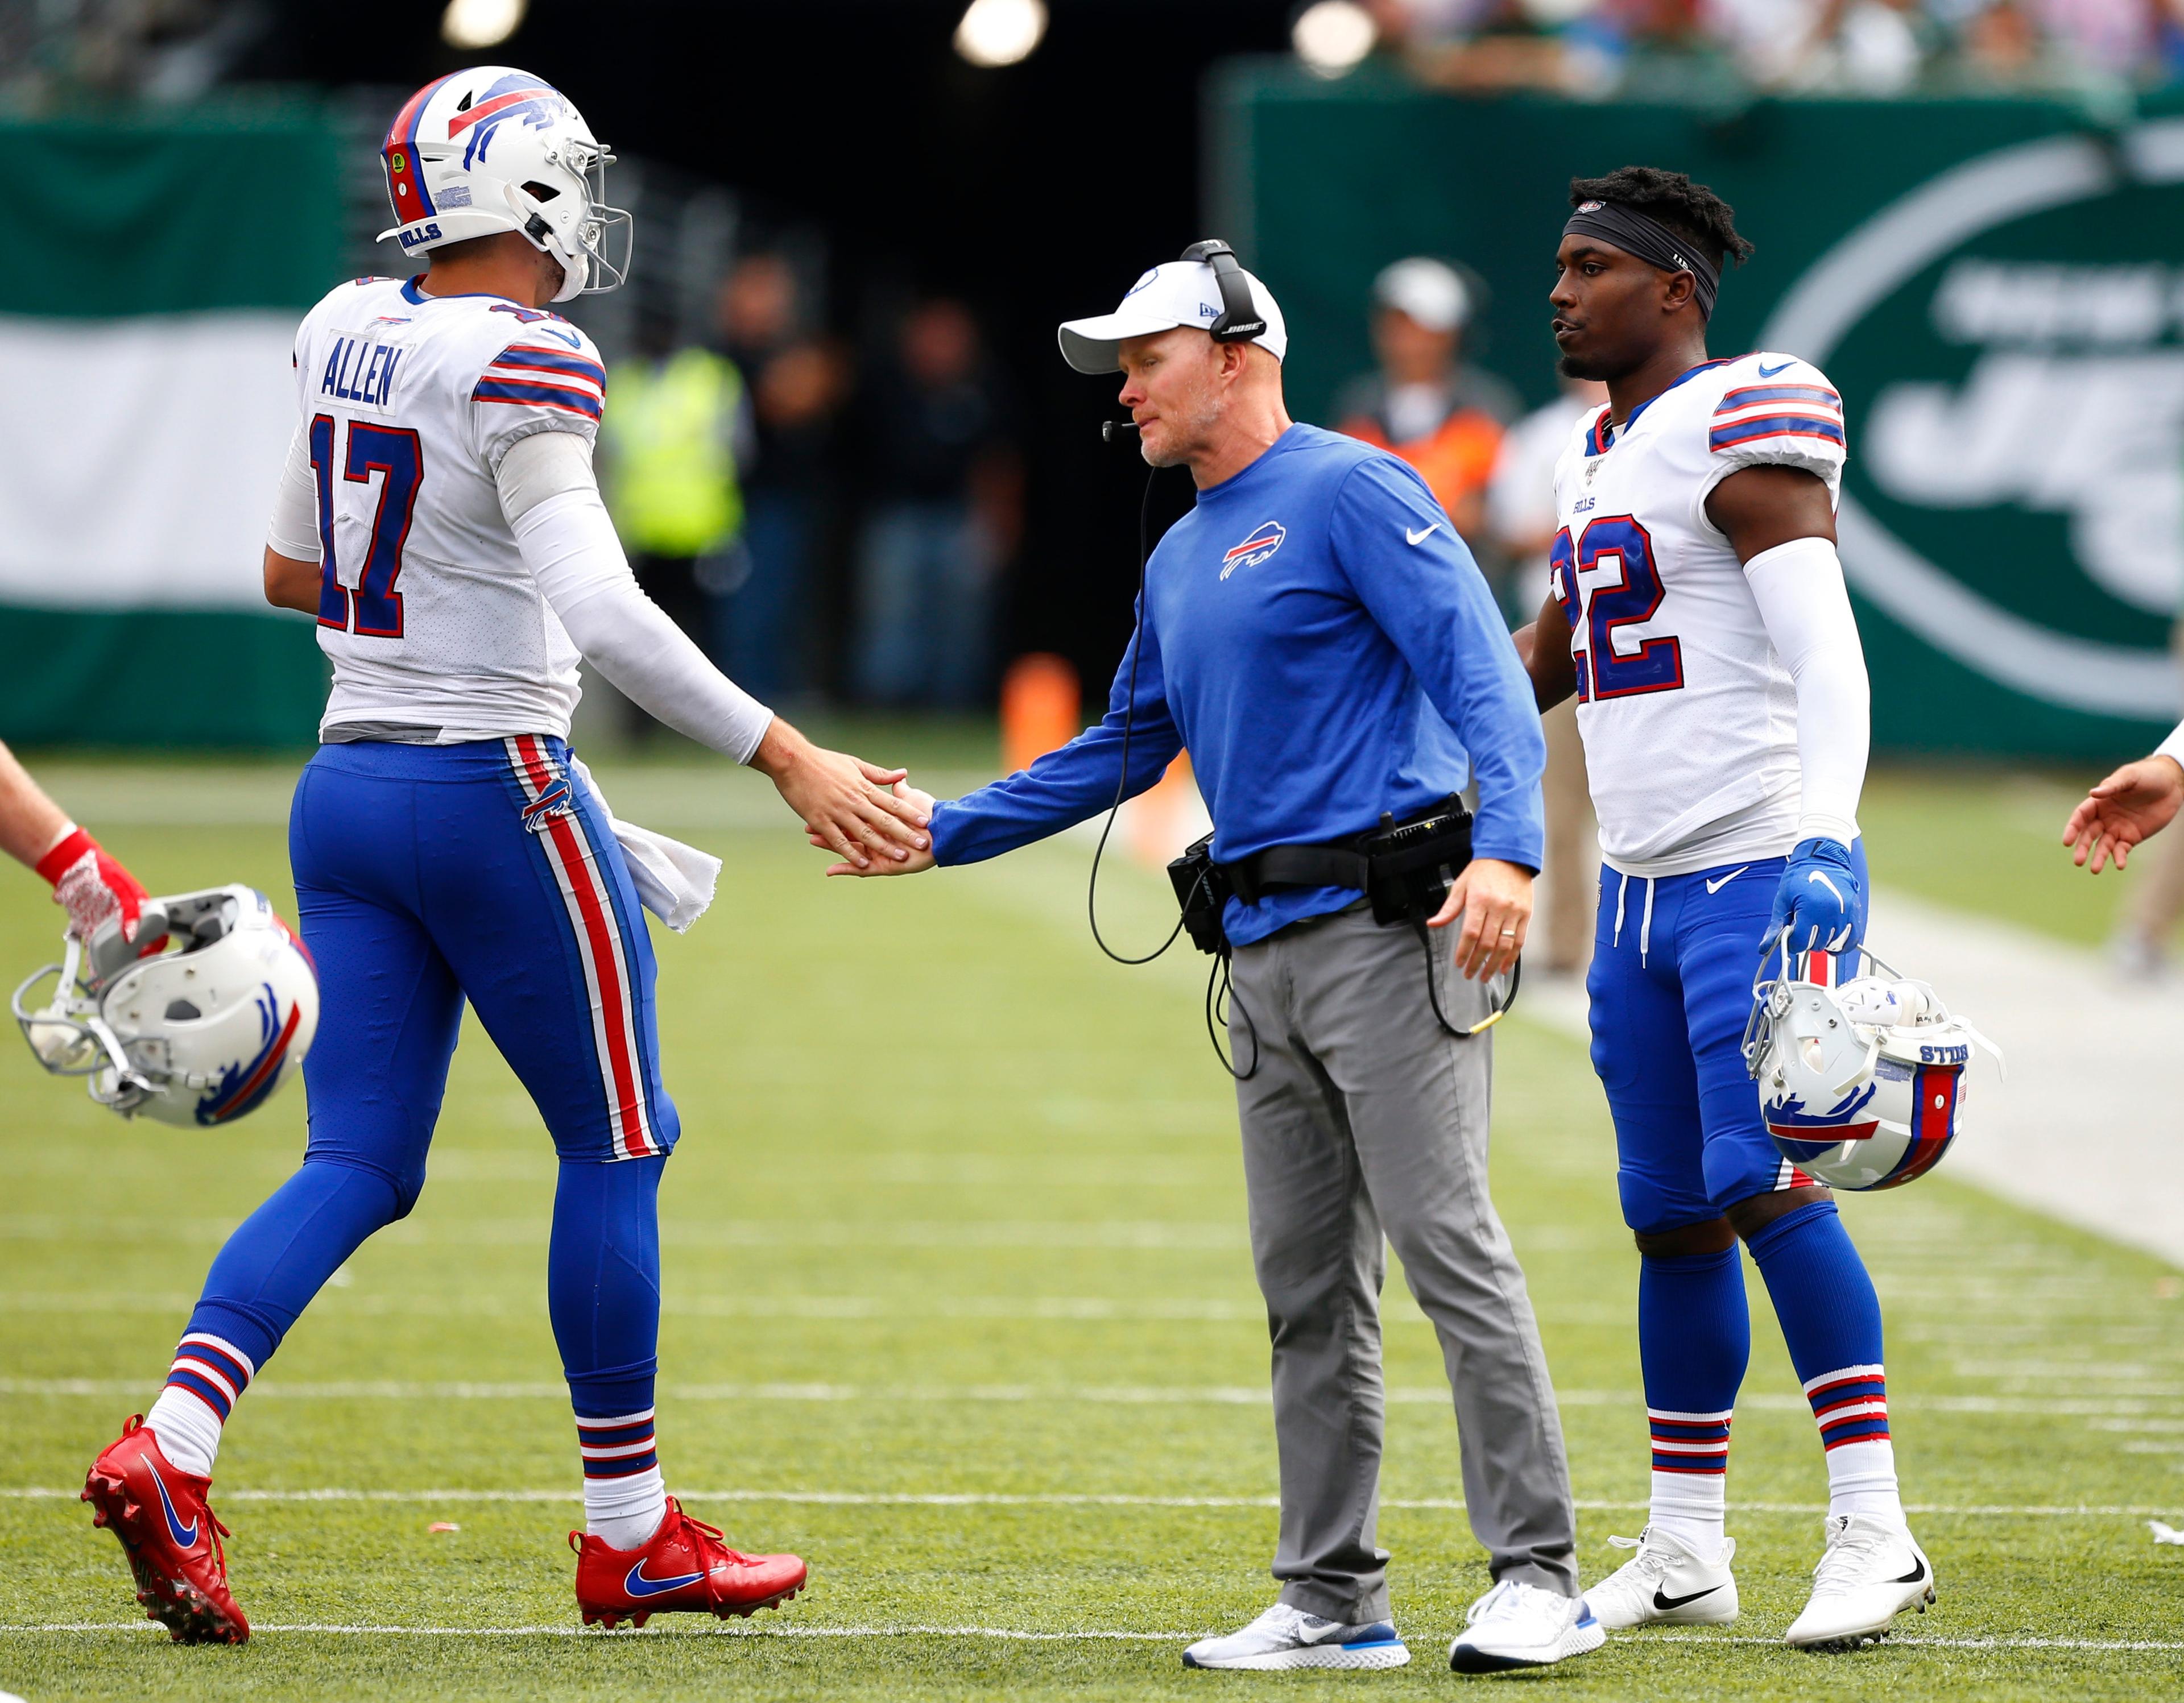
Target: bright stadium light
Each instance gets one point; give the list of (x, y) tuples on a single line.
[(1332, 35), (480, 23), (1000, 32)]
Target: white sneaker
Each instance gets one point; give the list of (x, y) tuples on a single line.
[(1665, 1584), (1286, 1637), (1523, 1625), (1870, 1572)]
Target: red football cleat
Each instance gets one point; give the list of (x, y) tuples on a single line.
[(685, 1567), (170, 1535)]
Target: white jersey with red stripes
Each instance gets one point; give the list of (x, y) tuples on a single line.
[(1689, 717), (426, 608)]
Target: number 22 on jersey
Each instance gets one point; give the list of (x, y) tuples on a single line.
[(371, 608), (1606, 580)]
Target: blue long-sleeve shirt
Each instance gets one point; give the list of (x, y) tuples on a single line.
[(1318, 637)]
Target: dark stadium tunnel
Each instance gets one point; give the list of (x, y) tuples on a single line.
[(1034, 192)]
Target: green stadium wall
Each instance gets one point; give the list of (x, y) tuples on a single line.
[(1997, 287), (161, 264)]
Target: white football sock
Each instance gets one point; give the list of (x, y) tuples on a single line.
[(1693, 1509), (626, 1512), (188, 1431), (1862, 1480)]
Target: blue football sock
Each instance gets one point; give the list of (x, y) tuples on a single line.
[(278, 1258), (602, 1291), (1830, 1319), (1694, 1340)]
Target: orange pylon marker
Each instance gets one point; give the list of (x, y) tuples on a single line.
[(1042, 708)]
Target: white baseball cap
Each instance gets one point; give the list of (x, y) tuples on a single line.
[(1182, 292), (1431, 292)]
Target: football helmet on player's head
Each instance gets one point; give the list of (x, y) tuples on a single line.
[(1862, 1084), (493, 148), (199, 1034)]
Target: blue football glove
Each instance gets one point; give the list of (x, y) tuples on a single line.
[(1817, 904)]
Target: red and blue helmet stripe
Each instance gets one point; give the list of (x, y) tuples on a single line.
[(405, 178)]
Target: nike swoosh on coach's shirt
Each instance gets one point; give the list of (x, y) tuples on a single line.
[(637, 1584), (1716, 886), (1411, 537), (1775, 371), (1664, 1603)]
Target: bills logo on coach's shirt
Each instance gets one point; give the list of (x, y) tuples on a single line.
[(1254, 549)]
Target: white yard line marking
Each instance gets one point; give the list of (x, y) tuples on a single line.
[(1217, 1396), (1014, 1634), (974, 1499)]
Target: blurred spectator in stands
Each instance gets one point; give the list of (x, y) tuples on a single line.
[(946, 486), (1438, 411), (1569, 45), (1520, 512), (797, 381), (669, 450)]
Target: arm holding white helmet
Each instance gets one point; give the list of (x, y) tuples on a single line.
[(2135, 803), (1779, 519), (87, 881), (551, 498)]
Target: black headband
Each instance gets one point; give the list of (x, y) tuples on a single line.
[(1650, 241)]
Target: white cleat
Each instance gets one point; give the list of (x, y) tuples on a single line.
[(1870, 1572), (1523, 1625), (1665, 1584), (1286, 1637)]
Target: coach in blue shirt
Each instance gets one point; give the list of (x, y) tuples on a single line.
[(1318, 636)]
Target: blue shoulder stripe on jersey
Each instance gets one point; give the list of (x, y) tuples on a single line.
[(539, 395), (1777, 392), (1775, 425), (531, 359)]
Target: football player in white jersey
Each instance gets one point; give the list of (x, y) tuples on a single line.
[(439, 517), (1699, 615)]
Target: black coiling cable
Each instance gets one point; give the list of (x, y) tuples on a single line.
[(1129, 715)]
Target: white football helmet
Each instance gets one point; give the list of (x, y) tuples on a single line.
[(1863, 1084), (200, 1034), (493, 148)]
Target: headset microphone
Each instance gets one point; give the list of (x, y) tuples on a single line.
[(1110, 430)]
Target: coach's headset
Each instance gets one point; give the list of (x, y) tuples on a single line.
[(1397, 877)]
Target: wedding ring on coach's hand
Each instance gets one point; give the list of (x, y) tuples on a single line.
[(1508, 931)]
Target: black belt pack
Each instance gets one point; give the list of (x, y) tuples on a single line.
[(1404, 868)]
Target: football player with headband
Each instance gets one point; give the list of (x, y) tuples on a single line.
[(1698, 613), (439, 517)]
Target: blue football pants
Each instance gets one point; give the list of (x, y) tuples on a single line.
[(1674, 959)]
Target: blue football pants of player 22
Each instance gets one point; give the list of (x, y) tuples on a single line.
[(1674, 962)]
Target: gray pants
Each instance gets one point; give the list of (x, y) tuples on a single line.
[(1363, 1116)]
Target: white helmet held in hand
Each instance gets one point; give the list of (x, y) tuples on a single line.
[(1862, 1085), (201, 1034), (493, 148)]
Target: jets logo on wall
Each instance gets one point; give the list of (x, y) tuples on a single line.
[(2011, 337), (1254, 549)]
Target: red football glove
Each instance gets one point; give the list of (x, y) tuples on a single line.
[(92, 886)]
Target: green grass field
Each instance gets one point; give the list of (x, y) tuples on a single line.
[(959, 1306)]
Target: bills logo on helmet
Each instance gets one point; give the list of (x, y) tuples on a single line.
[(243, 1086), (1254, 549), (511, 98)]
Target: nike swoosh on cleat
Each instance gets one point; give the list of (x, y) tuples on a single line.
[(1411, 537), (637, 1584), (185, 1537), (1664, 1603), (1775, 371), (1713, 886), (1917, 1572)]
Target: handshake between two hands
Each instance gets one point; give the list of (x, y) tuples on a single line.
[(872, 818)]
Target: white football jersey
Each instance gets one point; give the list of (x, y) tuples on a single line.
[(1689, 717), (426, 608)]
